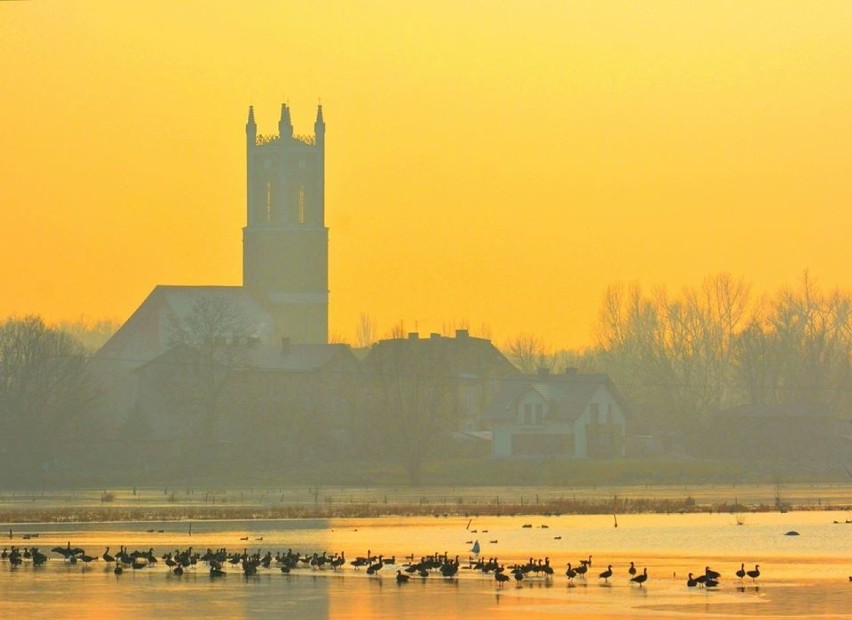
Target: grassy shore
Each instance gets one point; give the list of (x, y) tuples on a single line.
[(326, 502)]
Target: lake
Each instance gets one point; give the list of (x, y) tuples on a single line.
[(801, 576)]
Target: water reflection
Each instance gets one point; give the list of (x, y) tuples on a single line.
[(797, 579)]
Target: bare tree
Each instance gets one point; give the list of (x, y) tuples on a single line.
[(397, 331), (91, 334), (529, 353), (812, 332), (365, 336), (674, 356), (411, 403), (208, 345), (46, 396)]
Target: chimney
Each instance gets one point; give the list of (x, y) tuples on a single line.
[(434, 335), (462, 333), (285, 345), (413, 335)]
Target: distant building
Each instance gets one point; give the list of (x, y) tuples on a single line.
[(268, 400), (472, 368), (548, 415), (285, 269)]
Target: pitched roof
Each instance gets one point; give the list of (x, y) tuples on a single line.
[(567, 394), (464, 356), (146, 334)]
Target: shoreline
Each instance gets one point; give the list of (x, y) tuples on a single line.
[(164, 504)]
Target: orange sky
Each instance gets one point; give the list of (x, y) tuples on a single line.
[(496, 163)]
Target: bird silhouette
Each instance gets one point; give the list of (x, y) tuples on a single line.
[(754, 574), (640, 579)]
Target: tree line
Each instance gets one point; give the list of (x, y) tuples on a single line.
[(678, 359), (681, 358)]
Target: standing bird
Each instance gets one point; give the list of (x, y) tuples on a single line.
[(741, 573), (570, 572), (754, 574), (640, 579), (606, 574), (691, 583), (632, 570), (501, 578), (107, 557)]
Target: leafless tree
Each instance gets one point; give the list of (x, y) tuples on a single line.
[(529, 353), (365, 336), (46, 396), (208, 346), (411, 403)]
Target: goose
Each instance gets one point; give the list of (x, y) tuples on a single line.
[(500, 577), (107, 557), (86, 558), (606, 574), (640, 579), (741, 572), (632, 570), (400, 577), (570, 572), (691, 583), (754, 574)]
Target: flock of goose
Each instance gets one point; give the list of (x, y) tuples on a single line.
[(216, 562)]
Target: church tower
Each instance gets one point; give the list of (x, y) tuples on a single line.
[(285, 241)]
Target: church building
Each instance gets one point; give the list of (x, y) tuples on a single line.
[(284, 293)]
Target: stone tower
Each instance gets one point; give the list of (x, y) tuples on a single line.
[(285, 241)]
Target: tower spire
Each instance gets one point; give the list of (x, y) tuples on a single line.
[(285, 125), (251, 128), (319, 126)]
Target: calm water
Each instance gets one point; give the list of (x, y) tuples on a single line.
[(801, 576)]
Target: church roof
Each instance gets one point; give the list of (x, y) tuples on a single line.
[(148, 331)]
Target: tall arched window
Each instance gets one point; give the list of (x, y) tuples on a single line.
[(268, 202)]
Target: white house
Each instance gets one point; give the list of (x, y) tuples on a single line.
[(571, 415)]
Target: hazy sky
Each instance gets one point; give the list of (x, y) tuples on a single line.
[(498, 163)]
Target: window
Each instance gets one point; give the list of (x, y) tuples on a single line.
[(268, 201)]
